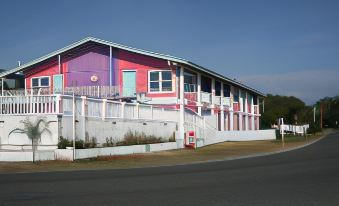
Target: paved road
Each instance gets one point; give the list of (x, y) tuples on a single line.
[(308, 176)]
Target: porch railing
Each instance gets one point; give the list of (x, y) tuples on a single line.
[(94, 91), (42, 104), (206, 97)]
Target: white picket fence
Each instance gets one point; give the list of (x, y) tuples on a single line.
[(89, 107), (298, 129), (35, 104)]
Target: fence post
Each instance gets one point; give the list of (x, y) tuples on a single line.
[(57, 103), (122, 109), (136, 116), (152, 112), (103, 114)]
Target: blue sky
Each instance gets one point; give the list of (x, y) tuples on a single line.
[(281, 47)]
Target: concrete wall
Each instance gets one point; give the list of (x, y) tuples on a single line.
[(67, 154), (250, 135), (116, 128), (21, 156), (19, 141)]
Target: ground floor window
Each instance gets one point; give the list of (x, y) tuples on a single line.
[(40, 82), (160, 81)]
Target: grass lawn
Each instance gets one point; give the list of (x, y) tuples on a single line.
[(226, 150)]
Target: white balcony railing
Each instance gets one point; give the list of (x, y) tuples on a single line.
[(226, 101), (217, 100), (206, 97)]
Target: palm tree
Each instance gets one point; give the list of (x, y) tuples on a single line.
[(33, 130)]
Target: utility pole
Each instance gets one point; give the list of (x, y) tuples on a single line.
[(281, 121), (314, 114), (73, 124), (321, 115)]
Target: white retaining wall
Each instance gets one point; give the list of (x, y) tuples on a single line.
[(67, 154), (19, 141), (116, 128), (249, 135), (25, 156)]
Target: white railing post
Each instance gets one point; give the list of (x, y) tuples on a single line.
[(199, 93), (83, 105), (246, 111), (57, 103), (231, 120), (213, 97), (222, 114), (123, 109), (103, 112), (152, 117), (136, 111)]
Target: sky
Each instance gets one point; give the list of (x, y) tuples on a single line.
[(279, 47)]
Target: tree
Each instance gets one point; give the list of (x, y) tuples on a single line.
[(288, 107), (33, 130)]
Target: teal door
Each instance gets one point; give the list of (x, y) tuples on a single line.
[(57, 84), (128, 84)]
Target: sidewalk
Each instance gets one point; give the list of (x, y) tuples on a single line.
[(222, 151)]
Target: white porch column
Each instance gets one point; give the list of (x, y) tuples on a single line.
[(110, 66), (241, 110), (246, 111), (181, 136), (222, 113), (199, 93), (82, 119), (252, 111), (103, 109), (231, 120), (212, 96)]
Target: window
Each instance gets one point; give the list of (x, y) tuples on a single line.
[(38, 82), (227, 90), (217, 87), (190, 82), (160, 81)]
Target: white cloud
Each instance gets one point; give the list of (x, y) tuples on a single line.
[(309, 86)]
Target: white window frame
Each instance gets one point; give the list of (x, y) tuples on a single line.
[(40, 77), (160, 81)]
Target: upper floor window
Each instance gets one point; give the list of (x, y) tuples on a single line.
[(38, 82), (190, 82), (227, 90), (160, 81)]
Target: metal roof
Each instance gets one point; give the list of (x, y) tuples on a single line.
[(131, 49)]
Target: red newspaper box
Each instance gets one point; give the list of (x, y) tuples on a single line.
[(190, 139)]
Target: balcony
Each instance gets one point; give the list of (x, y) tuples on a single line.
[(191, 96), (217, 100), (226, 101), (206, 97)]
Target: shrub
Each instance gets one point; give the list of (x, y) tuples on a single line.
[(79, 144), (172, 138), (136, 138), (109, 142), (63, 143), (91, 144), (314, 128)]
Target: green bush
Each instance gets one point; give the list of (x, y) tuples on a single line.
[(79, 144), (314, 128), (109, 142), (91, 144), (136, 138), (63, 143)]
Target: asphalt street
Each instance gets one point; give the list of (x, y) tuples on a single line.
[(307, 176)]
